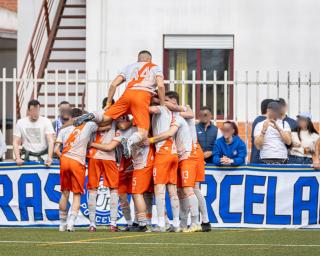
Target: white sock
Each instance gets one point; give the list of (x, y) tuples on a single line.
[(184, 212), (194, 208), (135, 215), (63, 215), (166, 219), (148, 198), (202, 205), (134, 139), (98, 116), (175, 206), (126, 211), (160, 205), (72, 218), (92, 204), (142, 220), (114, 199)]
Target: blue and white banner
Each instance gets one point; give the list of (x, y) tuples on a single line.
[(30, 194), (247, 196), (258, 196)]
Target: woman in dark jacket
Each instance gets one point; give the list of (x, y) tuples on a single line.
[(229, 150)]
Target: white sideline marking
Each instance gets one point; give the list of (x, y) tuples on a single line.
[(150, 243)]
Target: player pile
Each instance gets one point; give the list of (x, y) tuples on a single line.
[(134, 157)]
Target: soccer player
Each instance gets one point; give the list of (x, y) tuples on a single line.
[(142, 158), (72, 167), (102, 163), (142, 79), (125, 181), (165, 169), (200, 174), (187, 165)]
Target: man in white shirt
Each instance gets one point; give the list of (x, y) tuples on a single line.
[(272, 135), (36, 136)]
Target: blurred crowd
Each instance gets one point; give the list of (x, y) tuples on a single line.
[(276, 138)]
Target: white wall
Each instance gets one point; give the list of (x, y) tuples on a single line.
[(27, 15), (8, 19), (269, 36)]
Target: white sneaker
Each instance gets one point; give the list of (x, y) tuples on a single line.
[(70, 228), (194, 228), (159, 229), (63, 227)]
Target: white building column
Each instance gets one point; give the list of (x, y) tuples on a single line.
[(96, 55)]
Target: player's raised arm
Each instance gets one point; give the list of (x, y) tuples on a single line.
[(161, 89), (154, 110), (163, 136), (188, 113), (112, 89), (57, 147)]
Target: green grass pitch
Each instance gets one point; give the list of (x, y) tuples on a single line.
[(219, 242)]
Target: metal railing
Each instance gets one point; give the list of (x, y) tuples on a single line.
[(241, 98), (38, 49)]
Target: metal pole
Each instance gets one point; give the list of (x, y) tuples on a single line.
[(4, 111), (225, 95), (204, 88), (194, 90), (215, 95)]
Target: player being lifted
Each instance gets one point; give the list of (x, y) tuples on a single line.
[(142, 79), (72, 167)]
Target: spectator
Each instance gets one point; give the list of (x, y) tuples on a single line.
[(3, 146), (35, 133), (272, 135), (255, 153), (229, 149), (283, 114), (304, 140), (207, 133), (64, 116)]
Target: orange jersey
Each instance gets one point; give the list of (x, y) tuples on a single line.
[(75, 140)]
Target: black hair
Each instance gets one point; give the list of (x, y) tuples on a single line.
[(64, 103), (173, 95), (144, 52), (234, 126), (75, 112), (310, 128), (104, 102), (264, 105), (205, 108), (282, 102), (34, 103)]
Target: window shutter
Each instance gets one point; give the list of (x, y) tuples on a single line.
[(198, 42)]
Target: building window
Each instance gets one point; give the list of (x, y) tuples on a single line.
[(199, 53)]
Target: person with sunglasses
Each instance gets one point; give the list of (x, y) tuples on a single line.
[(229, 150)]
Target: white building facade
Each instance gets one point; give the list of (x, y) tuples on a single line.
[(232, 35)]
